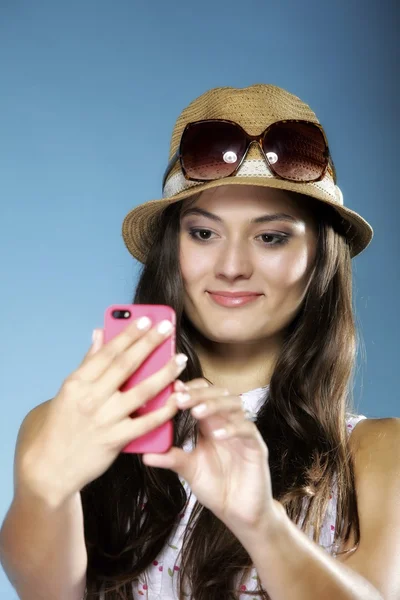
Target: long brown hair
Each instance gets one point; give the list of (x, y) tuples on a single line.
[(303, 424)]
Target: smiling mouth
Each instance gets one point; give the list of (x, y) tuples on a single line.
[(232, 301)]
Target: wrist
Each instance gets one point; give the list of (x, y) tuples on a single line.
[(274, 521), (51, 496), (44, 480), (269, 528)]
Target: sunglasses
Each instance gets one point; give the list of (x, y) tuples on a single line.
[(295, 150)]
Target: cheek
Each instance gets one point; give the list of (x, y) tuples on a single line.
[(287, 269), (194, 263)]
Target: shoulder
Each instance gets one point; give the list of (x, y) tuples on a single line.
[(383, 435), (375, 448)]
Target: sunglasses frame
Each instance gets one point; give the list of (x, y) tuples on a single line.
[(330, 167)]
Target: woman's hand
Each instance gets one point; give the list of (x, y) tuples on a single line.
[(88, 423), (228, 475)]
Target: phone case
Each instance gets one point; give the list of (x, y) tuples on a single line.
[(161, 438)]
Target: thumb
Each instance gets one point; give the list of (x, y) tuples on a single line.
[(175, 459)]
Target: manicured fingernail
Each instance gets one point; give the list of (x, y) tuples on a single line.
[(182, 399), (220, 433), (143, 323), (165, 327), (181, 359), (199, 410), (180, 386)]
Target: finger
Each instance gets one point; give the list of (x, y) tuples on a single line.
[(97, 342), (109, 369), (245, 430), (95, 363), (197, 383), (228, 407), (202, 395), (175, 459), (123, 404), (131, 428), (126, 363), (179, 386)]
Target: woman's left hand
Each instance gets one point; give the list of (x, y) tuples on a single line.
[(229, 475)]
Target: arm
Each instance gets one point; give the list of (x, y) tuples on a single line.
[(42, 546), (291, 565)]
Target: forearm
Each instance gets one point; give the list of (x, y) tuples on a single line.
[(42, 548), (291, 565)]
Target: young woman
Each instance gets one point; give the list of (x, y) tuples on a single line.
[(265, 493)]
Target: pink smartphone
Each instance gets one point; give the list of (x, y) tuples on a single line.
[(117, 317)]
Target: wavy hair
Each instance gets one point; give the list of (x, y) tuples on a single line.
[(302, 421)]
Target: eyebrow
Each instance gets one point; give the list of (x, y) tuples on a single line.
[(262, 219)]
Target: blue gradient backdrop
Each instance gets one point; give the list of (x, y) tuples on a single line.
[(89, 95)]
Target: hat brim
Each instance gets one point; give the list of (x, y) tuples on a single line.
[(141, 222)]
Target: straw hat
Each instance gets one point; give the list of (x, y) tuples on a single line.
[(254, 108)]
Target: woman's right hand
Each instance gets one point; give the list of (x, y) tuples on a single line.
[(88, 423)]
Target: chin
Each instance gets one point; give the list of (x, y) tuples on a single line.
[(228, 333)]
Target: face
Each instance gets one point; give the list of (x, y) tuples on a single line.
[(241, 247)]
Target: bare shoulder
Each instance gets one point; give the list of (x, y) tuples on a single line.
[(382, 435), (375, 448)]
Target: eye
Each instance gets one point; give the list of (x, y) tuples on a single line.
[(193, 234), (281, 239)]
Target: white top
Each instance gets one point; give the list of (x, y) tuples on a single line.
[(159, 582)]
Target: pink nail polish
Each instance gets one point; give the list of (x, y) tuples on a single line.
[(180, 386)]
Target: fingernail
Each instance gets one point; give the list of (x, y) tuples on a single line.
[(219, 433), (182, 399), (143, 323), (181, 359), (95, 336), (180, 386), (199, 410), (165, 327)]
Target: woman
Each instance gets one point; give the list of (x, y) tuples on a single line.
[(252, 246)]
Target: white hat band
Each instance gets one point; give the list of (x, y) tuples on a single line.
[(253, 167)]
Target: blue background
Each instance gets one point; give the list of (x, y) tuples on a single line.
[(89, 95)]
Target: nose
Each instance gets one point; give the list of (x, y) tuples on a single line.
[(234, 261)]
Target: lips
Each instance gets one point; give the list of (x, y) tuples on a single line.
[(234, 294), (231, 300)]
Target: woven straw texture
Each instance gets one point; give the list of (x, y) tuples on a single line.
[(254, 108)]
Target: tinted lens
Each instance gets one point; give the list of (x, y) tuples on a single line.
[(212, 150), (296, 151)]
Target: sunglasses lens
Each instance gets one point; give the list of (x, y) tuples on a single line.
[(296, 151), (212, 150)]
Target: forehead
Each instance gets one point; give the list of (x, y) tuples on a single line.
[(243, 199)]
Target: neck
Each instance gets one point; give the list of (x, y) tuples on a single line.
[(238, 367)]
